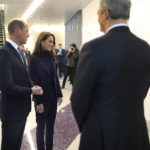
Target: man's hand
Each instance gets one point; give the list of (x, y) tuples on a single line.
[(37, 90), (40, 108)]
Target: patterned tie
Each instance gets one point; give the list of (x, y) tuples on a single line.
[(21, 55), (23, 58)]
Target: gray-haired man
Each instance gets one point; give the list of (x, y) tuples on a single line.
[(108, 101)]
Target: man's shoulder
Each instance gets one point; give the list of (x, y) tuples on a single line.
[(4, 50), (7, 47), (5, 56), (140, 40), (95, 42)]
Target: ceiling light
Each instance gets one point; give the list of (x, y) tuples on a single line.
[(31, 9)]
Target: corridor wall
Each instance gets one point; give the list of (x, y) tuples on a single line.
[(73, 30)]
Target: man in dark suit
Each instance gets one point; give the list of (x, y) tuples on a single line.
[(16, 87), (111, 82), (61, 60)]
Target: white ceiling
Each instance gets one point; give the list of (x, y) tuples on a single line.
[(50, 11)]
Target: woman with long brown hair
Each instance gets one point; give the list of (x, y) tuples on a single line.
[(43, 73)]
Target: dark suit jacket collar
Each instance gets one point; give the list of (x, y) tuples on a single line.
[(119, 29), (13, 50), (10, 46), (23, 66)]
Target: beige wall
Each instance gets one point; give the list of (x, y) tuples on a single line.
[(139, 24), (139, 19), (90, 26)]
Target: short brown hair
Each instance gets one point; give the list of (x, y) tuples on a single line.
[(13, 24)]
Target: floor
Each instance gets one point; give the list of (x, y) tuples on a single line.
[(66, 134)]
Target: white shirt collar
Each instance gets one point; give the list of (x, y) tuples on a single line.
[(13, 43), (116, 25)]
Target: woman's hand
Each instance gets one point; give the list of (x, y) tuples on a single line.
[(40, 108), (59, 100)]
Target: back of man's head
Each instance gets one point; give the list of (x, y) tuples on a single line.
[(13, 24), (118, 9)]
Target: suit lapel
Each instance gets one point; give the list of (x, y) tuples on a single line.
[(13, 51), (15, 54)]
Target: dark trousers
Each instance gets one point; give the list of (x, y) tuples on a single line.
[(61, 69), (70, 71), (45, 128), (12, 133)]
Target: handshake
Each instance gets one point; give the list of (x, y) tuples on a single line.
[(37, 90)]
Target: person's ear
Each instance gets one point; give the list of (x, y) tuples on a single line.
[(17, 30), (106, 13)]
